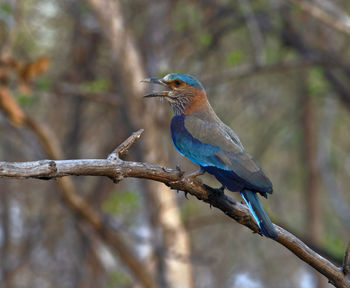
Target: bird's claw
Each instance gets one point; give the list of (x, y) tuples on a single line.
[(259, 233), (246, 220), (222, 189), (213, 193)]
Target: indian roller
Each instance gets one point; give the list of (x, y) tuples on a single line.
[(198, 134)]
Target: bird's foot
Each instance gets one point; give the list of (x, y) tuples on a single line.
[(222, 189), (214, 191), (195, 174), (246, 220)]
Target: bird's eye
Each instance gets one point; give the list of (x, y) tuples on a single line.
[(177, 82)]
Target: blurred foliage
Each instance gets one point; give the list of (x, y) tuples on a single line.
[(25, 99), (122, 202), (43, 84), (205, 39), (188, 208), (235, 57), (317, 86), (96, 86), (117, 279), (188, 16), (334, 244), (5, 8)]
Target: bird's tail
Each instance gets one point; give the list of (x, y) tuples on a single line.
[(259, 213)]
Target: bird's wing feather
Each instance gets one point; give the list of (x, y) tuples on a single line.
[(208, 144)]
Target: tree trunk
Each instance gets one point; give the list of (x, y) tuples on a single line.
[(165, 214), (312, 181)]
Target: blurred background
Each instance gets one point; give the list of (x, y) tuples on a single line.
[(276, 71)]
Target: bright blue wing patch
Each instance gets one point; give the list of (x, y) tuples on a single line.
[(198, 152)]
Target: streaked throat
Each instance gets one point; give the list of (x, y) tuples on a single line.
[(179, 104)]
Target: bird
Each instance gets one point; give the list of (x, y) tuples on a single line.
[(198, 134)]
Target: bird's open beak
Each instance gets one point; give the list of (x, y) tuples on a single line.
[(156, 81)]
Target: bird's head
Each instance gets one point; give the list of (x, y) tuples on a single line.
[(184, 93)]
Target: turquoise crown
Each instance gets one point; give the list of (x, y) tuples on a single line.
[(188, 79)]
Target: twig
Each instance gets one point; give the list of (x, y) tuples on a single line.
[(346, 268), (254, 31), (321, 15), (74, 90), (247, 70), (124, 147)]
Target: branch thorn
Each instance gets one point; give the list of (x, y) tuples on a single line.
[(123, 147), (180, 172)]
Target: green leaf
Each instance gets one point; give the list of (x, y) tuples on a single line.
[(25, 99), (205, 39), (316, 82), (188, 208), (96, 86), (43, 84), (118, 279), (5, 8), (235, 57), (121, 202), (335, 245), (272, 49), (186, 16), (179, 25)]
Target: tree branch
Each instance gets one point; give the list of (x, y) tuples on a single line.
[(316, 12), (118, 170), (248, 70), (346, 260), (71, 90)]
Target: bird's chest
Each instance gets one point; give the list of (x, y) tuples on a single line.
[(181, 138)]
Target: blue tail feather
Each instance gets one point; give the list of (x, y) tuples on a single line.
[(259, 213)]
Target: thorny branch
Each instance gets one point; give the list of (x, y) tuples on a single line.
[(51, 169)]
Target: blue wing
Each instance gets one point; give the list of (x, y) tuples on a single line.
[(200, 153), (211, 147)]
